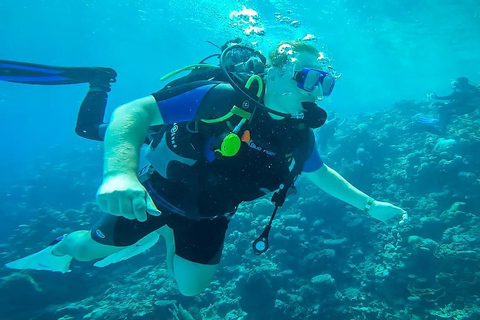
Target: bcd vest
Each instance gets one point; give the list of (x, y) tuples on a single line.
[(192, 179)]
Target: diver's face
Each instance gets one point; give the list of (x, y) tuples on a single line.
[(281, 83), (301, 61)]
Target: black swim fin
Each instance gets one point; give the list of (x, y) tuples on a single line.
[(29, 73)]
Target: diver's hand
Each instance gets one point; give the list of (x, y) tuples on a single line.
[(432, 96), (387, 213), (123, 195)]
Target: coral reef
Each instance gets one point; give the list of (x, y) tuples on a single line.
[(327, 260)]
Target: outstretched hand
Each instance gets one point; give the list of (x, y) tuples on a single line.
[(123, 195), (388, 213)]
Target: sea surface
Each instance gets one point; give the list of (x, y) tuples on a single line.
[(327, 259)]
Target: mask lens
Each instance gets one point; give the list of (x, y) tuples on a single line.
[(311, 80), (327, 84)]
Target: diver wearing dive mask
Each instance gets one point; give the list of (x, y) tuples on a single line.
[(180, 192), (309, 80)]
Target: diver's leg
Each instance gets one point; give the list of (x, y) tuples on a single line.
[(30, 73), (198, 249), (90, 117), (82, 247), (92, 110), (192, 278), (445, 113), (58, 256), (91, 114), (110, 235)]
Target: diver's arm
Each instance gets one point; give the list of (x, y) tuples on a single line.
[(126, 133), (121, 193), (451, 96), (335, 185)]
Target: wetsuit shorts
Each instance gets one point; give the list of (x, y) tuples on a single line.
[(199, 241)]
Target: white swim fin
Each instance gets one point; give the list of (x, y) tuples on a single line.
[(43, 260), (140, 246)]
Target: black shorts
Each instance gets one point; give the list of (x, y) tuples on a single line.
[(199, 241)]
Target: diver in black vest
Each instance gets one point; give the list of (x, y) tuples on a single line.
[(180, 161), (464, 99)]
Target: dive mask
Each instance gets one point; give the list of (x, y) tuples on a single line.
[(309, 79)]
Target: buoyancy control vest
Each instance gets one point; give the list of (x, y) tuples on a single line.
[(232, 151), (193, 178)]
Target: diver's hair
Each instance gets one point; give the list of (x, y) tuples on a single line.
[(278, 57)]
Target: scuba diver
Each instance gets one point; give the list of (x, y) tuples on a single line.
[(178, 162), (464, 99)]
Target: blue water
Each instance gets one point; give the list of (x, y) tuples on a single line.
[(386, 51)]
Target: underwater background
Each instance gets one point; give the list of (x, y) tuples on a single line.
[(327, 260)]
